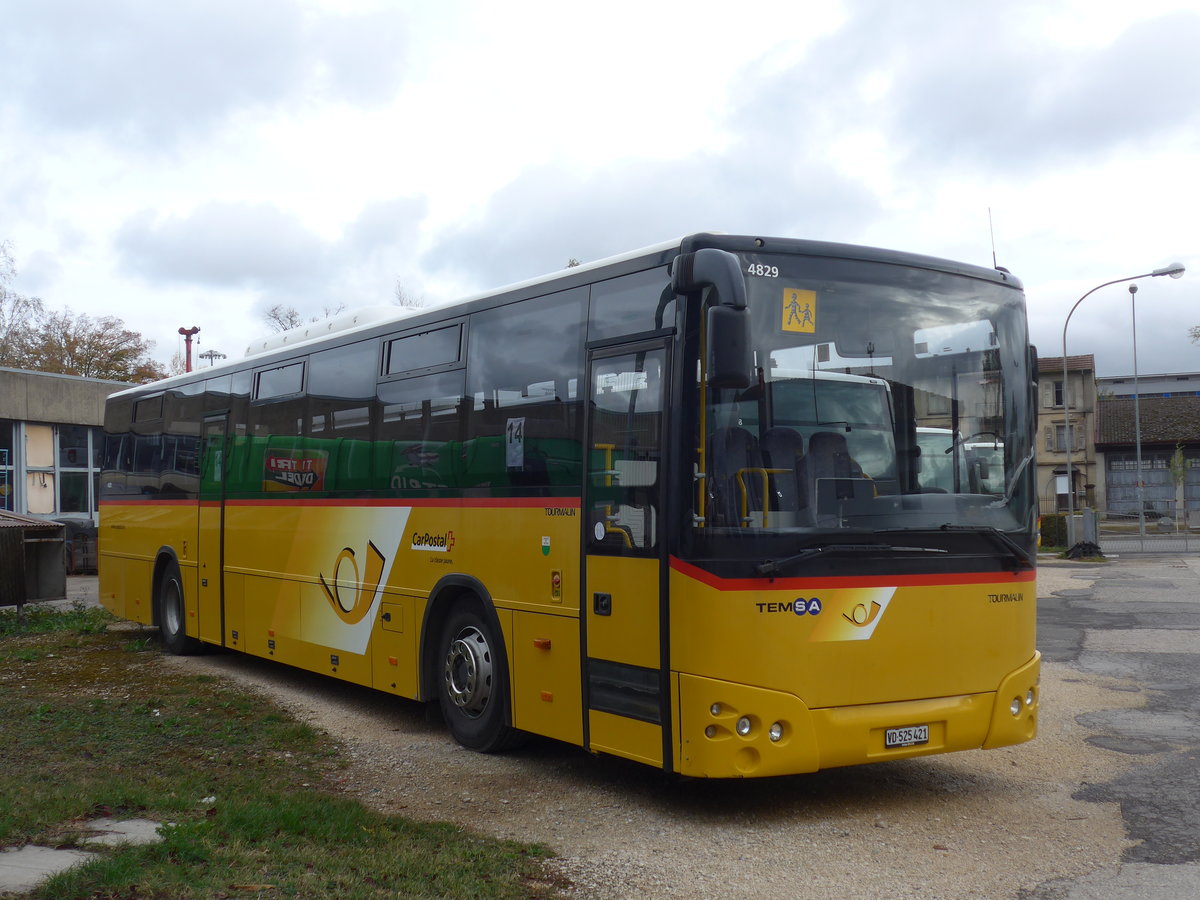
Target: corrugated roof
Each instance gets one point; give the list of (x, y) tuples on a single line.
[(1165, 420), (16, 520)]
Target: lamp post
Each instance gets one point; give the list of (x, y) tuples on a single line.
[(1175, 270), (1137, 419)]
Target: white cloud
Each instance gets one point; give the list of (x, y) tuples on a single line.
[(192, 162)]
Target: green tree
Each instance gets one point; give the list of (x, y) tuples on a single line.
[(77, 344)]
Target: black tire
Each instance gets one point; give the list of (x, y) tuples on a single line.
[(472, 678), (172, 615)]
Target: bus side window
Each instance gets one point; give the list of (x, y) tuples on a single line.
[(420, 428), (523, 428)]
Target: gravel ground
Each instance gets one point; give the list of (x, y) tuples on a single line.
[(976, 824)]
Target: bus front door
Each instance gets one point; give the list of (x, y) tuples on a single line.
[(210, 539), (625, 677)]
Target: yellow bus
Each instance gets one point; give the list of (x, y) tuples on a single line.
[(666, 506)]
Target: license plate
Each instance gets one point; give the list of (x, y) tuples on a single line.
[(910, 736)]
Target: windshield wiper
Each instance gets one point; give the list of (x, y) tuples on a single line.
[(772, 566), (1018, 552)]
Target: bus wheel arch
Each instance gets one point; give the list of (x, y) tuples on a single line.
[(169, 606), (464, 665)]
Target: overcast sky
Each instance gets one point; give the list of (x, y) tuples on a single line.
[(193, 163)]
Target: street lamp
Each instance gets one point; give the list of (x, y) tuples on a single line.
[(1137, 419), (1175, 270)]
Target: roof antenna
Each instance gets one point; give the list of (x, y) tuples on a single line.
[(992, 232)]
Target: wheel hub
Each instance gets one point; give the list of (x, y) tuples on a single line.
[(468, 671)]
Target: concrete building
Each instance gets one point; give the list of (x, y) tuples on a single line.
[(1179, 384), (51, 444)]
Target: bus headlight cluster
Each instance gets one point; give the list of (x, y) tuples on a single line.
[(1018, 704), (745, 726)]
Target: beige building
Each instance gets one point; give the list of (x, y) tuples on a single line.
[(1058, 437)]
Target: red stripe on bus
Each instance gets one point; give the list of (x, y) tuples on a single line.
[(853, 581)]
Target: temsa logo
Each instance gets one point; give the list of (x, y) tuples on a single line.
[(436, 543)]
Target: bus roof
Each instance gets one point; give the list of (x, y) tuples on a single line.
[(367, 319)]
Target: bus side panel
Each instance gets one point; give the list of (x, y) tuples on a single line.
[(319, 578), (395, 644), (348, 661), (546, 687), (270, 617), (235, 610), (131, 536), (208, 583)]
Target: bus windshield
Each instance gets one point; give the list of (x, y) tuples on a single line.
[(883, 398)]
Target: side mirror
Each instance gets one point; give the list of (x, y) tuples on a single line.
[(730, 360)]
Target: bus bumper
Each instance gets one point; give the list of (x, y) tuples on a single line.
[(729, 730)]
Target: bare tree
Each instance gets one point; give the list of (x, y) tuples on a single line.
[(285, 318), (404, 298), (573, 262), (18, 313)]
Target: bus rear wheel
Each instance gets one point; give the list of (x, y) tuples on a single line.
[(172, 614), (473, 683)]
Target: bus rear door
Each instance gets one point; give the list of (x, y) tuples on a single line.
[(210, 539)]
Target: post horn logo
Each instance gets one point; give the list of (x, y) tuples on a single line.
[(861, 615), (352, 603)]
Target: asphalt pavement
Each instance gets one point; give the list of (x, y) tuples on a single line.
[(1137, 619)]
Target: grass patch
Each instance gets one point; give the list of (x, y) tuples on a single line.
[(35, 618), (96, 727)]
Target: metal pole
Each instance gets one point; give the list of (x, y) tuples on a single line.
[(1175, 270), (1137, 422)]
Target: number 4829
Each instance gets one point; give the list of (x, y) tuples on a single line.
[(762, 271)]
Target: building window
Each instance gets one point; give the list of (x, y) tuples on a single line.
[(1058, 438), (7, 481)]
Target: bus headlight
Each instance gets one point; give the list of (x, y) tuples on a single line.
[(775, 732), (1015, 706), (1029, 697), (743, 726)]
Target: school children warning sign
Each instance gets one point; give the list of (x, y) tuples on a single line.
[(800, 311)]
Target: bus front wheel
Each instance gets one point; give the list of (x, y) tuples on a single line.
[(473, 683), (172, 614)]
